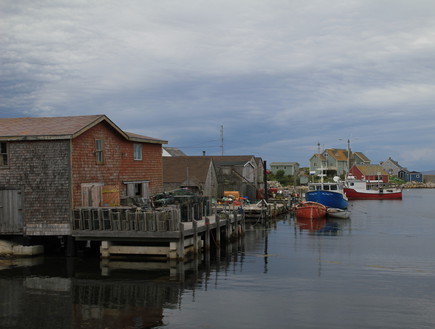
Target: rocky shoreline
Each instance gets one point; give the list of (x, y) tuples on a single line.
[(418, 185)]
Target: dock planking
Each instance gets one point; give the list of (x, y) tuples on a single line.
[(128, 231)]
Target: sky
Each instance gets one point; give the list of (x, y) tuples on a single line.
[(270, 78)]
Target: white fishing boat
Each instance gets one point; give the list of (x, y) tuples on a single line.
[(338, 213)]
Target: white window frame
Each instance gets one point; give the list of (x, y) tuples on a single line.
[(137, 150), (99, 151)]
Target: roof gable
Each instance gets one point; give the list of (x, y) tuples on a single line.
[(283, 164), (69, 127), (371, 170), (338, 154), (361, 156), (178, 169), (173, 151), (319, 156), (47, 127), (393, 162)]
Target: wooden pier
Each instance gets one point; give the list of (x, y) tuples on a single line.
[(259, 212), (161, 233)]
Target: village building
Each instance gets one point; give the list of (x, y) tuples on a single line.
[(49, 166), (213, 175), (196, 173), (392, 167), (336, 161), (410, 176), (289, 168), (369, 172), (395, 169)]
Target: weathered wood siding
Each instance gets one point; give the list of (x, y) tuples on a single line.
[(40, 169), (119, 165), (11, 219)]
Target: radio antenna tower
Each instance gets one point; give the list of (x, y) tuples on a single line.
[(222, 140)]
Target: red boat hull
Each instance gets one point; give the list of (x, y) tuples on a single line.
[(310, 210), (372, 195)]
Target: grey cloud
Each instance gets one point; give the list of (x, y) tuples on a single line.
[(279, 75)]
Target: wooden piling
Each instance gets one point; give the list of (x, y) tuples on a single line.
[(207, 233), (218, 231), (195, 236), (181, 242)]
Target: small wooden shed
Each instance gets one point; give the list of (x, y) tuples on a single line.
[(50, 165)]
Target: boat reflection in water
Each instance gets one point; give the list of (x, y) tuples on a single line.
[(320, 226)]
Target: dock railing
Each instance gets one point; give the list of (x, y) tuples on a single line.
[(126, 219)]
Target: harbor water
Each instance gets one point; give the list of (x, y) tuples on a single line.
[(374, 270)]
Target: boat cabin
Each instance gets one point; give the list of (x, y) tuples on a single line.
[(335, 186)]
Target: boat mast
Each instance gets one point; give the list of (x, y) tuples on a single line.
[(321, 166), (348, 157)]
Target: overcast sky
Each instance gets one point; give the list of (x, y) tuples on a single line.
[(280, 76)]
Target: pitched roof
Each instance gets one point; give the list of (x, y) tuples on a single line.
[(231, 160), (395, 163), (259, 161), (371, 170), (178, 169), (317, 155), (338, 154), (140, 138), (175, 152), (69, 127), (283, 163), (362, 156)]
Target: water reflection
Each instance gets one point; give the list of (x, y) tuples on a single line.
[(320, 226), (376, 271), (89, 293)]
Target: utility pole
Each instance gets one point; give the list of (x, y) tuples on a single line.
[(349, 155), (222, 140)]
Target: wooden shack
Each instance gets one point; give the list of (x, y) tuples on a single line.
[(51, 165)]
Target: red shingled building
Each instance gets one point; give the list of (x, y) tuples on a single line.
[(48, 166)]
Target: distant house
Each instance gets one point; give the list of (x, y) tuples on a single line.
[(238, 173), (415, 176), (197, 173), (410, 176), (369, 172), (392, 167), (289, 168), (395, 169), (52, 165), (335, 161), (243, 173)]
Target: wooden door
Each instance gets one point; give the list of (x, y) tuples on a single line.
[(92, 194), (11, 217)]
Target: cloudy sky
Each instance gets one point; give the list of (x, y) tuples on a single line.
[(280, 76)]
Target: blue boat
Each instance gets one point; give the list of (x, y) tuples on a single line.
[(329, 194)]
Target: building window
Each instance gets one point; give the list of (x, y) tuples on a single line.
[(138, 189), (137, 151), (99, 152), (3, 154)]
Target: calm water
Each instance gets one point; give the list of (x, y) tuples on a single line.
[(376, 270)]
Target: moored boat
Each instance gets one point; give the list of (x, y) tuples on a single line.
[(310, 210), (338, 213), (371, 190), (329, 194)]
